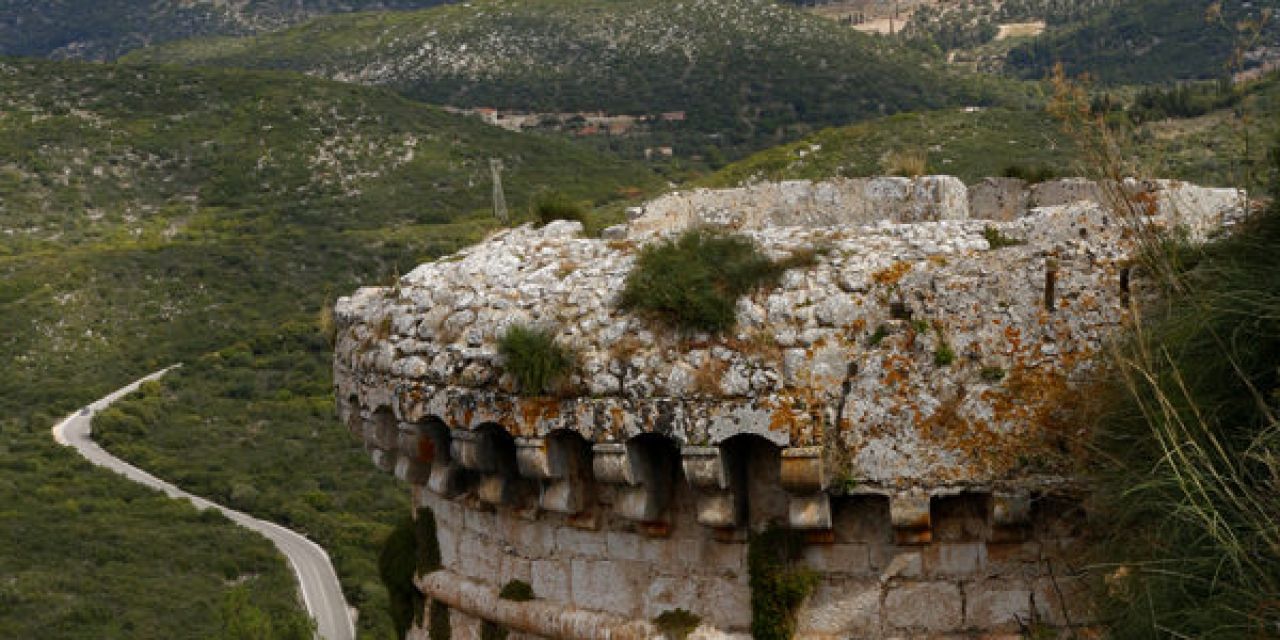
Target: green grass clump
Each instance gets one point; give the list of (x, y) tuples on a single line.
[(693, 282), (944, 356), (535, 359), (998, 240), (1190, 447), (777, 586), (550, 206)]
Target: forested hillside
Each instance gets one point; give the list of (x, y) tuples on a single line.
[(149, 216), (745, 73), (1153, 41), (105, 29)]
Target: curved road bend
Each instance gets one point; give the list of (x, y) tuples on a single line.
[(321, 592)]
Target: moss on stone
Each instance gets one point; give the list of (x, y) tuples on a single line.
[(396, 567), (516, 591), (677, 624)]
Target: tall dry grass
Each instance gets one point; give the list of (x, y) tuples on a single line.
[(1186, 475)]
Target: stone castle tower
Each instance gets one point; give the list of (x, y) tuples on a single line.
[(911, 408)]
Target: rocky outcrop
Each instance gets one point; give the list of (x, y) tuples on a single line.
[(926, 358)]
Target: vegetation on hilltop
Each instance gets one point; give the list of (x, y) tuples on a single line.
[(968, 144), (105, 29), (1145, 41), (749, 73), (103, 153), (230, 206), (1200, 133)]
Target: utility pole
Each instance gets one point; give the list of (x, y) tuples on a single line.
[(499, 199)]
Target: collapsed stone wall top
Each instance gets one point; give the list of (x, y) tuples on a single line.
[(912, 354), (860, 201)]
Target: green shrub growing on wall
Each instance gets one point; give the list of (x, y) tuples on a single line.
[(778, 587), (677, 624), (396, 565), (550, 206), (411, 549), (534, 358), (515, 591), (693, 282), (427, 543)]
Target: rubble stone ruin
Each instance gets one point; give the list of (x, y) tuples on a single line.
[(910, 407)]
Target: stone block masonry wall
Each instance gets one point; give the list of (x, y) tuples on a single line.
[(971, 579), (933, 493)]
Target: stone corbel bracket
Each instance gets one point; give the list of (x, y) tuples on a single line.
[(643, 493), (445, 478), (803, 477), (708, 472), (552, 464), (415, 454), (477, 451), (380, 435), (1010, 515), (910, 514)]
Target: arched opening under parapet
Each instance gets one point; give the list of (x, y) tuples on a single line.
[(573, 490), (380, 438), (754, 465), (349, 415), (494, 459), (431, 444), (421, 446), (655, 461)]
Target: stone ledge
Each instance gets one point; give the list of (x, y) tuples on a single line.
[(538, 617)]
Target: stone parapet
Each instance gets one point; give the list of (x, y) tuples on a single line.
[(911, 402)]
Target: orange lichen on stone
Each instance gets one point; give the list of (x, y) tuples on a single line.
[(892, 274), (535, 410)]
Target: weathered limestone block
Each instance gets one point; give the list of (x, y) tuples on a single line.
[(934, 607), (997, 605), (850, 609), (1001, 199)]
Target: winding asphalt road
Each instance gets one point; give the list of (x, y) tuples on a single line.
[(321, 592)]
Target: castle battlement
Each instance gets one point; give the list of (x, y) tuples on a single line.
[(913, 402)]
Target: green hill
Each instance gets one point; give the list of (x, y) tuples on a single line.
[(1214, 145), (748, 72), (100, 153), (1146, 41), (968, 144), (149, 216), (104, 29)]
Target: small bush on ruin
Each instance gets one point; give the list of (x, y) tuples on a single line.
[(907, 163), (534, 358), (516, 591), (998, 240), (1030, 173), (550, 206), (677, 624), (944, 356), (693, 281)]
